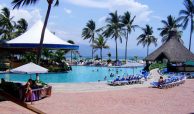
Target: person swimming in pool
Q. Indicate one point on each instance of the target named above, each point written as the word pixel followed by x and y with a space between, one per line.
pixel 105 78
pixel 117 71
pixel 111 75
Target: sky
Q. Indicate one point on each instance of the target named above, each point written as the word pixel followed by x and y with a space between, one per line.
pixel 70 17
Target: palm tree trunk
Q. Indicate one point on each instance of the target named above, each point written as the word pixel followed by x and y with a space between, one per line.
pixel 126 48
pixel 92 51
pixel 101 54
pixel 71 56
pixel 42 34
pixel 116 50
pixel 92 46
pixel 147 50
pixel 191 32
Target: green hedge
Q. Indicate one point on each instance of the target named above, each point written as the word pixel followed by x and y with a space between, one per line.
pixel 3 67
pixel 157 65
pixel 58 69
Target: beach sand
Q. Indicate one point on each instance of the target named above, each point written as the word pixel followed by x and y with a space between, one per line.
pixel 100 98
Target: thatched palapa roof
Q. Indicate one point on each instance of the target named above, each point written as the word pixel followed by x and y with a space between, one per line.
pixel 172 50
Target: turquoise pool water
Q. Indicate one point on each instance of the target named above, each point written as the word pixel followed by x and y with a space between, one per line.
pixel 77 75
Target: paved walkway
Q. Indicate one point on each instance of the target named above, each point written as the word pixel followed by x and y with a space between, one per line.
pixel 8 107
pixel 176 100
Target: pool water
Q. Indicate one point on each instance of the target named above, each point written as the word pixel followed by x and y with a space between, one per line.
pixel 77 75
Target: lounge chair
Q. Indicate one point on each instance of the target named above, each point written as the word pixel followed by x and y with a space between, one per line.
pixel 170 82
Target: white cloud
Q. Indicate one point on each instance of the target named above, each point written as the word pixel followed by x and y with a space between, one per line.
pixel 2 6
pixel 141 11
pixel 157 17
pixel 65 35
pixel 30 16
pixel 68 11
pixel 90 3
pixel 102 19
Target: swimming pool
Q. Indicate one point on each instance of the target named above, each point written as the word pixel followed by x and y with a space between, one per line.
pixel 77 75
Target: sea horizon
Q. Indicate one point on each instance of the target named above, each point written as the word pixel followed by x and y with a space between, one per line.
pixel 112 57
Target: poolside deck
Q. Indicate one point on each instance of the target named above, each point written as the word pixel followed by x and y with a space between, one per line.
pixel 8 107
pixel 179 100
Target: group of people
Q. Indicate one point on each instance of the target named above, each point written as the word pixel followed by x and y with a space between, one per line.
pixel 28 87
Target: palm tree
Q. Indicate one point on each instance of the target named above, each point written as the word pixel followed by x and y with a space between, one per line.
pixel 29 57
pixel 71 42
pixel 100 43
pixel 6 24
pixel 186 15
pixel 127 22
pixel 170 25
pixel 136 58
pixel 21 26
pixel 89 33
pixel 109 58
pixel 146 38
pixel 46 53
pixel 113 29
pixel 59 56
pixel 18 3
pixel 109 55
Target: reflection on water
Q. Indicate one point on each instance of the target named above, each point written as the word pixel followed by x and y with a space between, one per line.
pixel 7 77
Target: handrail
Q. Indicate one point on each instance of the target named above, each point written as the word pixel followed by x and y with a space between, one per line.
pixel 40 88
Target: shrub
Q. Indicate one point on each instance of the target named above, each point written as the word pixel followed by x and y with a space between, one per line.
pixel 157 65
pixel 109 61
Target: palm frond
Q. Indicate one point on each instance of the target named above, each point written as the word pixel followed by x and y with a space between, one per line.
pixel 185 23
pixel 56 3
pixel 183 12
pixel 18 3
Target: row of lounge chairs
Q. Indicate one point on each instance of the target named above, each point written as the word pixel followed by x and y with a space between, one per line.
pixel 170 82
pixel 125 81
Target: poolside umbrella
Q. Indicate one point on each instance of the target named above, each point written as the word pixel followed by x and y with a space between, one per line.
pixel 132 65
pixel 30 68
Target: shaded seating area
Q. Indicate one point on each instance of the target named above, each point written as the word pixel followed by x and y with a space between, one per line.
pixel 38 93
pixel 33 90
pixel 18 91
pixel 177 57
pixel 17 50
